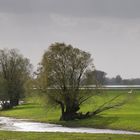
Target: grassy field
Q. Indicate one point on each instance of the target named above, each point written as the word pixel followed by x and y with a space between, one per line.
pixel 126 117
pixel 63 136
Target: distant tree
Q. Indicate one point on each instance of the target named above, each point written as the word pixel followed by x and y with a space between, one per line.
pixel 89 78
pixel 14 71
pixel 114 81
pixel 94 77
pixel 63 68
pixel 127 82
pixel 131 81
pixel 118 79
pixel 100 76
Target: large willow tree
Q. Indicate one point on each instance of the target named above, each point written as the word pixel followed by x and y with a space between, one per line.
pixel 61 75
pixel 63 68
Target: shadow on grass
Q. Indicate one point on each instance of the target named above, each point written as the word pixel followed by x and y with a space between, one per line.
pixel 102 121
pixel 94 122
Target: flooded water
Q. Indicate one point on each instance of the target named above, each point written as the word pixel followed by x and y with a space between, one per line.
pixel 11 124
pixel 117 87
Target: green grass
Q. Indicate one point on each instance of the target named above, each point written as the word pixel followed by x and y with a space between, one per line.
pixel 126 117
pixel 63 136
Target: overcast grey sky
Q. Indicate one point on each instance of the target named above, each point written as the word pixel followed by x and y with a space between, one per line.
pixel 108 29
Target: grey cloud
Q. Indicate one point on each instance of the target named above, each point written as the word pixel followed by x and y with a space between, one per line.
pixel 82 8
pixel 108 29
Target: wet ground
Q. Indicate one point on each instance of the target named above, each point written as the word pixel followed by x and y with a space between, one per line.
pixel 11 124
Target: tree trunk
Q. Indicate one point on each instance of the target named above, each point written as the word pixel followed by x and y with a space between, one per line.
pixel 70 113
pixel 62 110
pixel 66 116
pixel 14 102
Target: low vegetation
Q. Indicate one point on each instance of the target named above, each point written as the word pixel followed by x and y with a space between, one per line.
pixel 63 136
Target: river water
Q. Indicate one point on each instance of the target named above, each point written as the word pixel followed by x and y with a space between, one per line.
pixel 11 124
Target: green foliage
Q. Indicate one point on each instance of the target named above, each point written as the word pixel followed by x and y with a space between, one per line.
pixel 3 89
pixel 14 71
pixel 60 73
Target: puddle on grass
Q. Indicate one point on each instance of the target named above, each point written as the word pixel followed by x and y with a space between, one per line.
pixel 11 124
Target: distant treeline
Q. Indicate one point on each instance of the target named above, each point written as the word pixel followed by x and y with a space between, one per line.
pixel 119 81
pixel 101 78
